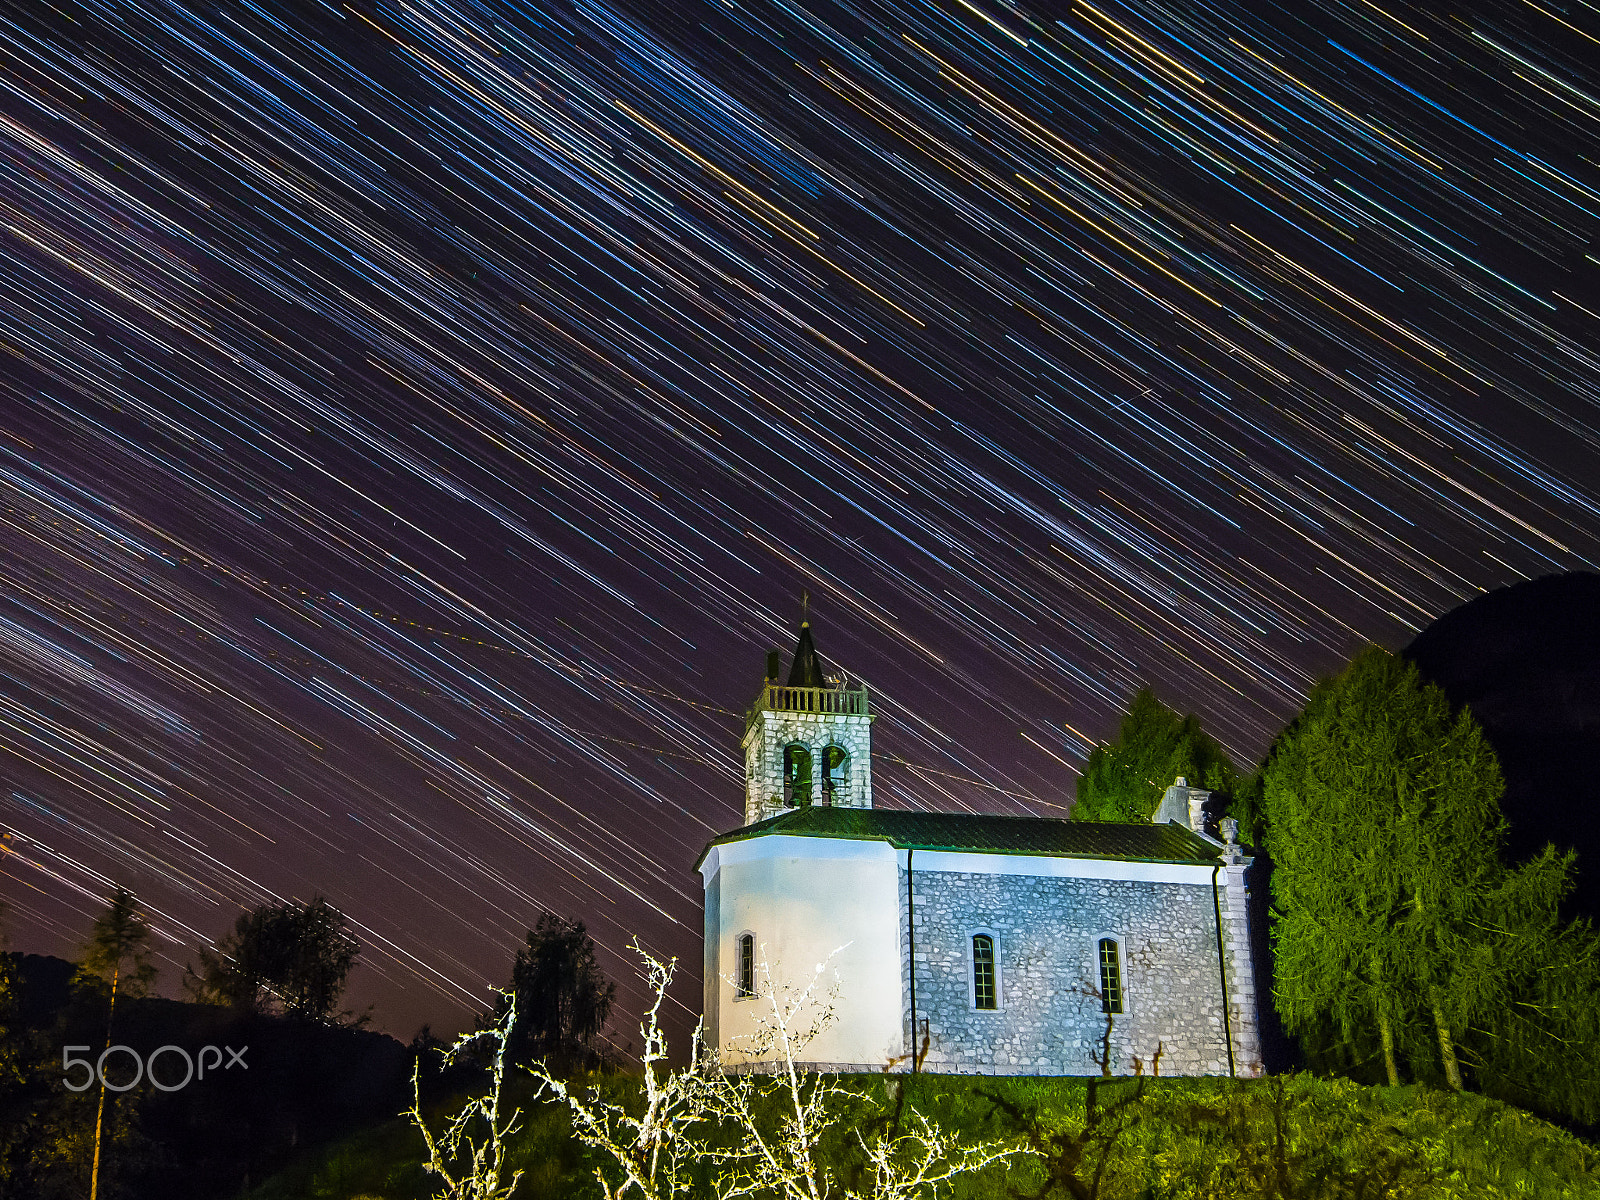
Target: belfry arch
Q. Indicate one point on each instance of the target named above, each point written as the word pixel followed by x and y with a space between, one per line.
pixel 834 774
pixel 797 775
pixel 808 740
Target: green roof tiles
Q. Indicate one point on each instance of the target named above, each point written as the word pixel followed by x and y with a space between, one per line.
pixel 986 834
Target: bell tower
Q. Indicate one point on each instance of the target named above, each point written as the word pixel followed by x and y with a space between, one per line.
pixel 807 741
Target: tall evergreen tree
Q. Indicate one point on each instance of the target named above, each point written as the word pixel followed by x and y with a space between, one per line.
pixel 1382 822
pixel 1324 944
pixel 1393 911
pixel 1534 1036
pixel 1124 780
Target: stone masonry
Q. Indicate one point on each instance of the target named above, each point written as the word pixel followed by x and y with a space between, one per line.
pixel 773 729
pixel 1046 930
pixel 1244 1015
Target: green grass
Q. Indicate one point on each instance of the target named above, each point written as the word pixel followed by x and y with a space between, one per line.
pixel 1298 1136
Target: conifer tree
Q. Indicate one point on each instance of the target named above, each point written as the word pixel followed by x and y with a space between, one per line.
pixel 1124 780
pixel 1393 911
pixel 14 1125
pixel 1535 1036
pixel 1451 831
pixel 117 953
pixel 1384 830
pixel 1327 946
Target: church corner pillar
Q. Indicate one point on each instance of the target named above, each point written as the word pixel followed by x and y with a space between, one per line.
pixel 908 983
pixel 1243 999
pixel 763 788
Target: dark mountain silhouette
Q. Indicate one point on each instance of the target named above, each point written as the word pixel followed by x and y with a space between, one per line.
pixel 1526 659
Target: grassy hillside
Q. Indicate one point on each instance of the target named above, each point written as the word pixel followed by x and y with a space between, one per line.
pixel 1296 1136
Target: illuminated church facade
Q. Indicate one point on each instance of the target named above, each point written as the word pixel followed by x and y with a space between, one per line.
pixel 1003 945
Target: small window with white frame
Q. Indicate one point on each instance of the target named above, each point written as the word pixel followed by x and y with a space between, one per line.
pixel 744 967
pixel 983 949
pixel 1109 973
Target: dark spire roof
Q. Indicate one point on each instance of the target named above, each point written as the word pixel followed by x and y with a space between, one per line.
pixel 807 668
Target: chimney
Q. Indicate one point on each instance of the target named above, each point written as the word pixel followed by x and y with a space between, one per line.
pixel 1184 805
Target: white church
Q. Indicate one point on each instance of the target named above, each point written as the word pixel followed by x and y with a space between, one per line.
pixel 1002 944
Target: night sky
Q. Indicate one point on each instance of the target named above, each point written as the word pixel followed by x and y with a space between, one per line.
pixel 419 419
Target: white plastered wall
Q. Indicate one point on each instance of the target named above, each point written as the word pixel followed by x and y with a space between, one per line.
pixel 803 898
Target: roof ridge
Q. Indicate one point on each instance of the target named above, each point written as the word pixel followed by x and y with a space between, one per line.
pixel 1003 817
pixel 987 833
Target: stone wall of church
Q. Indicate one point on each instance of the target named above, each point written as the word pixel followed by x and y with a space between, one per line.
pixel 1046 931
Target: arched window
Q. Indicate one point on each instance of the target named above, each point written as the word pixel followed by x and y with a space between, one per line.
pixel 984 992
pixel 835 774
pixel 1110 977
pixel 796 775
pixel 744 973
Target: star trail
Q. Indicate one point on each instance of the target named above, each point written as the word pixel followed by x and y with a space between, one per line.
pixel 418 419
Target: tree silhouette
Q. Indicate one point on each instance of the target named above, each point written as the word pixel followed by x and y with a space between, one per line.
pixel 10 1058
pixel 562 998
pixel 290 958
pixel 118 951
